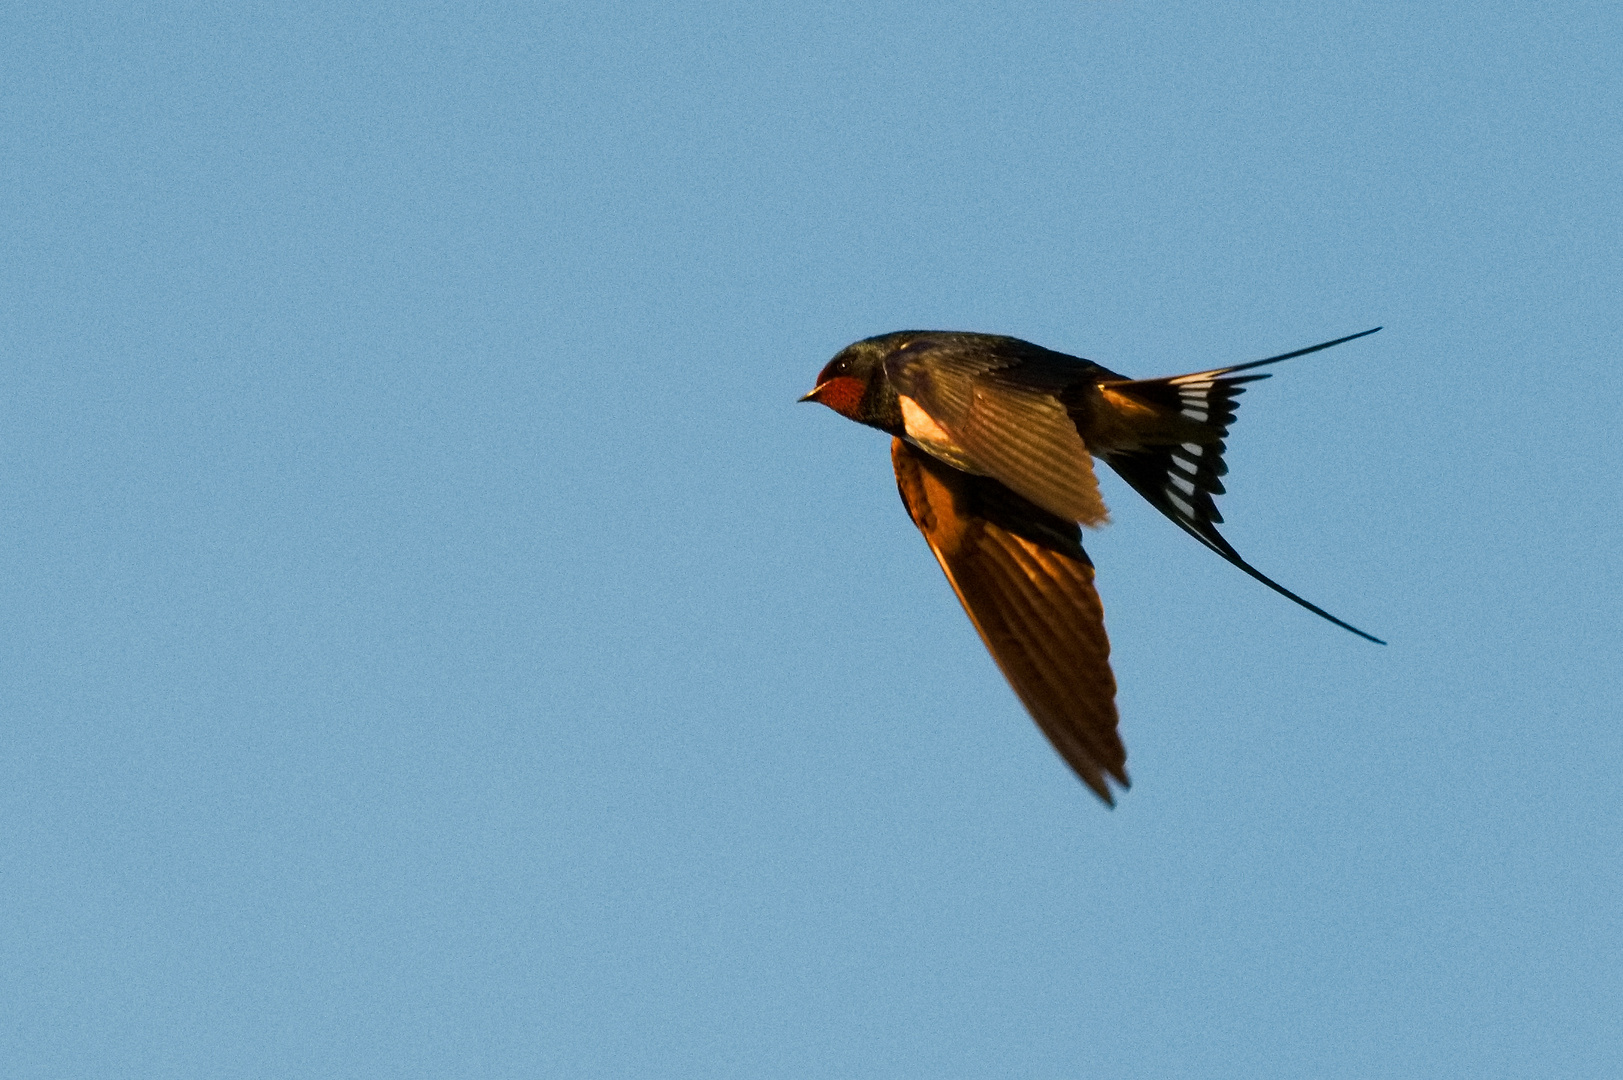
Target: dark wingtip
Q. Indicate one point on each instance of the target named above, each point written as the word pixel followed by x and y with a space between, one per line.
pixel 1101 788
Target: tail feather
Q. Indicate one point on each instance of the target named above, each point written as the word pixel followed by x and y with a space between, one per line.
pixel 1180 480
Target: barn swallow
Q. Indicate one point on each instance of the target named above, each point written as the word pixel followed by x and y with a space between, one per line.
pixel 991 441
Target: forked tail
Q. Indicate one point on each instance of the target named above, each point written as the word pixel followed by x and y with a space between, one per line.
pixel 1180 480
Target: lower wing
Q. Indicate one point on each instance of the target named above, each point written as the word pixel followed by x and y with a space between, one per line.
pixel 1027 585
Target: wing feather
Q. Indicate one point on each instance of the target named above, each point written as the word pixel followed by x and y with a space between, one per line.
pixel 985 407
pixel 1027 586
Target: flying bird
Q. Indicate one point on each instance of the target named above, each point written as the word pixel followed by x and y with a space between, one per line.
pixel 992 444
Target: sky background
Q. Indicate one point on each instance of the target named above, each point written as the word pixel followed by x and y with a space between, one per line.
pixel 434 643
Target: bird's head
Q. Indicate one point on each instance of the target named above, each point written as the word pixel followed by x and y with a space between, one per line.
pixel 854 383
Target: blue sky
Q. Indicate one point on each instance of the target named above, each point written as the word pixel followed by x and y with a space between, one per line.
pixel 435 643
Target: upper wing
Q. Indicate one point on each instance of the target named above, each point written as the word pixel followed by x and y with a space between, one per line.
pixel 991 406
pixel 1027 585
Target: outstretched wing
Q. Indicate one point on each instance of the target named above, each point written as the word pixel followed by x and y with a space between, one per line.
pixel 1027 585
pixel 991 406
pixel 1180 480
